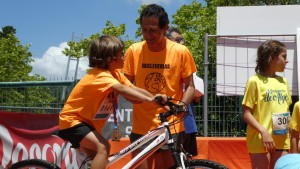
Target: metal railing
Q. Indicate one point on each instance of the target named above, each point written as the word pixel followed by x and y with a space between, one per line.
pixel 34 97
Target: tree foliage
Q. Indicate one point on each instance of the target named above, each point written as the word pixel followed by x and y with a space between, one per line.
pixel 193 21
pixel 6 31
pixel 80 49
pixel 15 59
pixel 15 66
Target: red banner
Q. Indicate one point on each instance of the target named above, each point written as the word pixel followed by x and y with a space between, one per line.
pixel 30 136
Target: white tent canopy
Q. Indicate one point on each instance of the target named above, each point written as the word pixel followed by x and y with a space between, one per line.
pixel 240 30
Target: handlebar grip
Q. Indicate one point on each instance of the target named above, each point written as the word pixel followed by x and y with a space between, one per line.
pixel 158 99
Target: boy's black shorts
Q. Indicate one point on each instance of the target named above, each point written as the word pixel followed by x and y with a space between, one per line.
pixel 76 133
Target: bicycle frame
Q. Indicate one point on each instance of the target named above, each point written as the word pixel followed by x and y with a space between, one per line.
pixel 156 138
pixel 162 133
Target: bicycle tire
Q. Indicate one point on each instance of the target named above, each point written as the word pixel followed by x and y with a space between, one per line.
pixel 33 163
pixel 205 164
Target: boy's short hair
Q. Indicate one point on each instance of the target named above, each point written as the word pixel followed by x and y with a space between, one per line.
pixel 103 49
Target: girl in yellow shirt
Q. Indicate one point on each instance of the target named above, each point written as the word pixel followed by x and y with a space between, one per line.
pixel 266 107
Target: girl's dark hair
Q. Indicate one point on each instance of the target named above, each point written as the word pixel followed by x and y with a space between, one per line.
pixel 103 49
pixel 265 52
pixel 157 11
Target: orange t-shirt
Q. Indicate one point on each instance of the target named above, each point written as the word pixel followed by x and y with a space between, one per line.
pixel 92 99
pixel 157 72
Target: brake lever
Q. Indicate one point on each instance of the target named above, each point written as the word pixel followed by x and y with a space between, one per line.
pixel 181 108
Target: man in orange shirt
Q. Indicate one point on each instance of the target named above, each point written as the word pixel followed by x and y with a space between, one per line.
pixel 158 65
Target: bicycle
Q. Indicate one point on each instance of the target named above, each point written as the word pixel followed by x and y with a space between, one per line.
pixel 157 138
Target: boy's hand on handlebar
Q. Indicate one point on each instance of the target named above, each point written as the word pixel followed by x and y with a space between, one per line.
pixel 161 99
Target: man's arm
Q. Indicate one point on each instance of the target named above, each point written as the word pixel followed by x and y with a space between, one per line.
pixel 199 88
pixel 188 95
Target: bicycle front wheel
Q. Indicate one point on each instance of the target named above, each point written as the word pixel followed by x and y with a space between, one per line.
pixel 204 164
pixel 33 163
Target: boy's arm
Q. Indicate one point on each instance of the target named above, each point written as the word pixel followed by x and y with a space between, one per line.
pixel 133 93
pixel 129 77
pixel 145 92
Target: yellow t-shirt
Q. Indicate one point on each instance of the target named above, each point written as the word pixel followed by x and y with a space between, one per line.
pixel 266 96
pixel 295 120
pixel 92 99
pixel 157 72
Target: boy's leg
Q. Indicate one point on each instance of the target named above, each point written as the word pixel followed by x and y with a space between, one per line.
pixel 85 137
pixel 96 145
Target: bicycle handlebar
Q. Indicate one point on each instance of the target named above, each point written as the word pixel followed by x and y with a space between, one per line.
pixel 174 108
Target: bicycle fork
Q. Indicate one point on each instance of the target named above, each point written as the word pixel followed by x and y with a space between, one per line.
pixel 179 158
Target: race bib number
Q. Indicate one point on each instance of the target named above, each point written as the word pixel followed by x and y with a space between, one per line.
pixel 280 123
pixel 106 108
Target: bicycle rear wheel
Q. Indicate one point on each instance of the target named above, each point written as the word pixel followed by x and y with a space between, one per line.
pixel 204 164
pixel 33 163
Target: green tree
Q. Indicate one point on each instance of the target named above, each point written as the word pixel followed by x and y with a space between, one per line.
pixel 6 30
pixel 194 21
pixel 119 31
pixel 80 49
pixel 15 66
pixel 15 59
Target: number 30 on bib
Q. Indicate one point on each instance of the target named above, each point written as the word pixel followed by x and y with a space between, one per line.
pixel 280 123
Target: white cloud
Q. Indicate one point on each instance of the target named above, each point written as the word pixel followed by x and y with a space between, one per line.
pixel 53 64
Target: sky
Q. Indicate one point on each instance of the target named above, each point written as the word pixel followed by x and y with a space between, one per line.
pixel 48 25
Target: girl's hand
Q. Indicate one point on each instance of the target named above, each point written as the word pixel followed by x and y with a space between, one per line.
pixel 268 141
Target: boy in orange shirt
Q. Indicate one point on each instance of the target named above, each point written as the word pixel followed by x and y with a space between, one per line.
pixel 92 100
